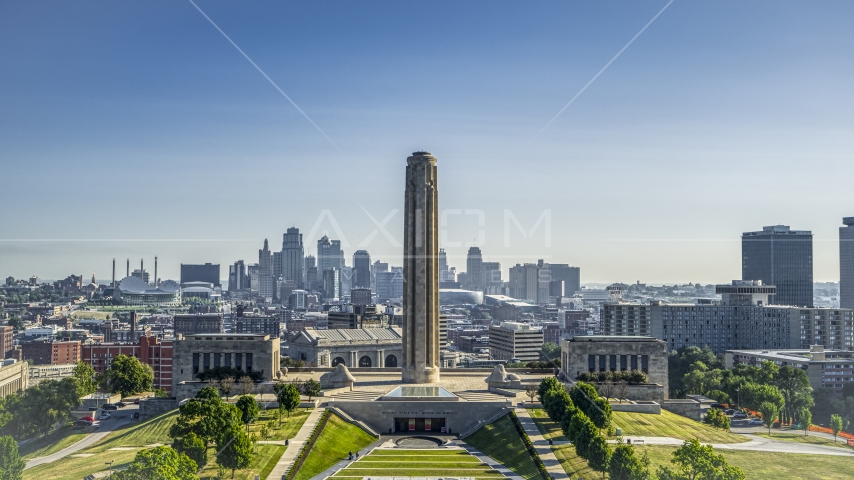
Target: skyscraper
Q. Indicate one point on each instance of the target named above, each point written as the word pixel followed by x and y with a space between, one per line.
pixel 361 269
pixel 237 276
pixel 443 266
pixel 781 257
pixel 421 271
pixel 208 272
pixel 292 256
pixel 310 262
pixel 846 263
pixel 329 254
pixel 571 277
pixel 474 259
pixel 265 272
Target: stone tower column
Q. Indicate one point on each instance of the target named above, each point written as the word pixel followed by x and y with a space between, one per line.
pixel 421 271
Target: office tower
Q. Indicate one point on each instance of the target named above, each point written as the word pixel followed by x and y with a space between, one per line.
pixel 293 260
pixel 443 266
pixel 571 277
pixel 237 276
pixel 329 254
pixel 254 274
pixel 311 279
pixel 277 266
pixel 331 284
pixel 360 296
pixel 780 257
pixel 265 272
pixel 531 282
pixel 310 262
pixel 345 282
pixel 361 269
pixel 846 263
pixel 390 285
pixel 490 277
pixel 377 267
pixel 421 271
pixel 474 259
pixel 208 273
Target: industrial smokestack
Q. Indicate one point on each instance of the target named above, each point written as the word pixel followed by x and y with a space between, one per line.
pixel 128 274
pixel 114 273
pixel 155 272
pixel 141 271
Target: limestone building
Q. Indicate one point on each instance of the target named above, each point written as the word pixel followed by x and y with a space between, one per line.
pixel 193 354
pixel 14 377
pixel 513 340
pixel 420 350
pixel 360 347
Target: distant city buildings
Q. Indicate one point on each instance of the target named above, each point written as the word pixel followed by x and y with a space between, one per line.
pixel 292 257
pixel 515 341
pixel 781 257
pixel 825 368
pixel 189 324
pixel 208 273
pixel 361 269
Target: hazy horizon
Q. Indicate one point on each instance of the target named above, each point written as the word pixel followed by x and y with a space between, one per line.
pixel 138 130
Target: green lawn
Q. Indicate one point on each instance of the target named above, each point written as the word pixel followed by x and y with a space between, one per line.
pixel 796 437
pixel 548 428
pixel 770 465
pixel 500 441
pixel 55 441
pixel 289 428
pixel 262 463
pixel 574 466
pixel 669 424
pixel 337 439
pixel 75 468
pixel 140 434
pixel 426 462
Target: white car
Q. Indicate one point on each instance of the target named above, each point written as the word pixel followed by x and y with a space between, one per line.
pixel 105 416
pixel 755 421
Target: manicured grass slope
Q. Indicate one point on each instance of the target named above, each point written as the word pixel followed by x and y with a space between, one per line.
pixel 55 441
pixel 669 424
pixel 262 463
pixel 500 441
pixel 548 428
pixel 289 427
pixel 419 463
pixel 337 439
pixel 795 437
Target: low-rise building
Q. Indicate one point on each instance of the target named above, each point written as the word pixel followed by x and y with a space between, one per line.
pixel 359 347
pixel 513 340
pixel 195 323
pixel 258 325
pixel 149 350
pixel 51 353
pixel 14 377
pixel 193 354
pixel 825 368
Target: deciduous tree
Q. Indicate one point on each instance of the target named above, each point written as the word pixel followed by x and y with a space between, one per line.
pixel 127 375
pixel 837 424
pixel 248 409
pixel 11 463
pixel 626 465
pixel 598 454
pixel 159 463
pixel 699 462
pixel 769 413
pixel 311 388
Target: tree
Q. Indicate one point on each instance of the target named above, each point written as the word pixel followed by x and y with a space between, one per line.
pixel 11 463
pixel 606 389
pixel 248 409
pixel 583 394
pixel 547 384
pixel 556 402
pixel 794 385
pixel 159 463
pixel 206 415
pixel 288 398
pixel 625 465
pixel 769 413
pixel 598 454
pixel 127 375
pixel 235 450
pixel 679 363
pixel 531 391
pixel 699 462
pixel 226 387
pixel 806 420
pixel 311 388
pixel 550 350
pixel 584 435
pixel 194 447
pixel 84 374
pixel 754 394
pixel 48 403
pixel 837 423
pixel 245 385
pixel 700 379
pixel 716 418
pixel 621 390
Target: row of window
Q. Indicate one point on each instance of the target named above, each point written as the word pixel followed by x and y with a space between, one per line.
pixel 206 361
pixel 606 361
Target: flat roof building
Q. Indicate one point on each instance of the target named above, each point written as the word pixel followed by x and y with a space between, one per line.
pixel 825 368
pixel 193 354
pixel 513 340
pixel 190 324
pixel 782 257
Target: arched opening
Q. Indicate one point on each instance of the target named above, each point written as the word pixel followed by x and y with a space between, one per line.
pixel 391 361
pixel 337 361
pixel 365 361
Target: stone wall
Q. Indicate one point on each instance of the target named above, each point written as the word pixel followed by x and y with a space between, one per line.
pixel 637 407
pixel 265 354
pixel 14 378
pixel 152 407
pixel 380 415
pixel 576 352
pixel 685 407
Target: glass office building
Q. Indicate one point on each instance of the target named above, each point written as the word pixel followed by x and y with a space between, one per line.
pixel 780 257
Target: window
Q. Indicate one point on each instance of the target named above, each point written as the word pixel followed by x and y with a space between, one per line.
pixel 591 363
pixel 227 359
pixel 634 362
pixel 248 362
pixel 216 359
pixel 238 361
pixel 207 360
pixel 602 360
pixel 624 362
pixel 645 363
pixel 613 363
pixel 195 363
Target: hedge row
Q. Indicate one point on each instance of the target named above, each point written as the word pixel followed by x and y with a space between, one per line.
pixel 530 447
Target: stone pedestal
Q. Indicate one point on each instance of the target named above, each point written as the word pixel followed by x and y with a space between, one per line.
pixel 421 359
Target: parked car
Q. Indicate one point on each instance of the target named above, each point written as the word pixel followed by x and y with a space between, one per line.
pixel 739 415
pixel 717 405
pixel 105 416
pixel 109 406
pixel 83 423
pixel 754 421
pixel 136 402
pixel 729 411
pixel 122 404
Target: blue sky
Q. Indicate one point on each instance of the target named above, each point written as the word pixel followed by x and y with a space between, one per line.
pixel 136 129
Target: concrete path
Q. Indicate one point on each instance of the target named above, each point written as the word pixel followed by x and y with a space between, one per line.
pixel 548 457
pixel 295 444
pixel 107 427
pixel 345 463
pixel 756 444
pixel 489 461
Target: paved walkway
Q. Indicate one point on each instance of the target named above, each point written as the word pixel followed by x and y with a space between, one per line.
pixel 548 457
pixel 756 444
pixel 295 444
pixel 344 463
pixel 107 427
pixel 489 461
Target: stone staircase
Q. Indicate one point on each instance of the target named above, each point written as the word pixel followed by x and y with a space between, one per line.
pixel 349 419
pixel 480 423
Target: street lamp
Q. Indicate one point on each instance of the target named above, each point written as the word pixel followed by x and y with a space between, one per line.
pixel 110 463
pixel 738 396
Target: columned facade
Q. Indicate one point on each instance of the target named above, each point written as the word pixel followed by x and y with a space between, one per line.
pixel 421 271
